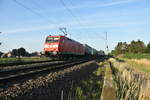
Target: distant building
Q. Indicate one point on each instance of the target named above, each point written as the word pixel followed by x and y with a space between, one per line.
pixel 5 55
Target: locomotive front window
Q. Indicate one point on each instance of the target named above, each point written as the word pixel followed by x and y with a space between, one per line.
pixel 52 39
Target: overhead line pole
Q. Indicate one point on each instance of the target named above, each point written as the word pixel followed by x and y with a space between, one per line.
pixel 106 42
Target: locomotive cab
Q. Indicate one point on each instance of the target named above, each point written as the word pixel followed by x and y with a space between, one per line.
pixel 51 46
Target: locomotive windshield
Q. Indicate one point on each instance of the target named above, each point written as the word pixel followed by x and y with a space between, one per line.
pixel 52 39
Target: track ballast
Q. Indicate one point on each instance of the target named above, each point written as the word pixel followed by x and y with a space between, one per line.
pixel 11 76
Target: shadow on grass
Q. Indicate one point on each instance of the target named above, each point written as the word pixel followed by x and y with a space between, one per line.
pixel 90 88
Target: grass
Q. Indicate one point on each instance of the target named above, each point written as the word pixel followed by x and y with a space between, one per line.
pixel 139 62
pixel 90 88
pixel 137 56
pixel 142 64
pixel 26 59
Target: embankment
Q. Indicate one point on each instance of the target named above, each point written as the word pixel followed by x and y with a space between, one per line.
pixel 131 84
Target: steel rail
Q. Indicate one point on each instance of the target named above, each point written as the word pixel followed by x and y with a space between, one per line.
pixel 16 69
pixel 24 63
pixel 23 74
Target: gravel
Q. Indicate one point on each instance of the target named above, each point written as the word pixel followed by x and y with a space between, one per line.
pixel 51 86
pixel 27 65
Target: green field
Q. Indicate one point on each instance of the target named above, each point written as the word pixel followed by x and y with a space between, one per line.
pixel 26 59
pixel 141 64
pixel 137 56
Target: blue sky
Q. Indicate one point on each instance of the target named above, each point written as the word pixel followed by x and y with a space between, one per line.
pixel 123 20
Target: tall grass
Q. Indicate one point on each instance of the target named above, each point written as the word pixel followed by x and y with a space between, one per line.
pixel 141 65
pixel 90 88
pixel 26 59
pixel 137 56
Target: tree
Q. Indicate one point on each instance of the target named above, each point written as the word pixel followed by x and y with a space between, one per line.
pixel 21 52
pixel 121 48
pixel 147 50
pixel 133 47
pixel 136 47
pixel 1 53
pixel 15 52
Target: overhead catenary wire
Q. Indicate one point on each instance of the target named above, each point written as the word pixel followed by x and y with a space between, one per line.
pixel 36 13
pixel 103 38
pixel 70 11
pixel 72 5
pixel 72 15
pixel 70 1
pixel 39 7
pixel 75 17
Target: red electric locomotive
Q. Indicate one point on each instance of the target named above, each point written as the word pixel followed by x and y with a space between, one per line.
pixel 61 46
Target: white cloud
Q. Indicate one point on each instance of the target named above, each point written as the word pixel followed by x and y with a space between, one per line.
pixel 73 25
pixel 118 3
pixel 17 30
pixel 99 4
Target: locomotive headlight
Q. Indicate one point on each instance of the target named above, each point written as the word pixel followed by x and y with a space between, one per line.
pixel 54 53
pixel 46 46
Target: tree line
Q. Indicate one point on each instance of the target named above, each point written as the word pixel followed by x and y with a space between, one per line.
pixel 20 52
pixel 133 47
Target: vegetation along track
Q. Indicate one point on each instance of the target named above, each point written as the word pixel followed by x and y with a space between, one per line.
pixel 8 77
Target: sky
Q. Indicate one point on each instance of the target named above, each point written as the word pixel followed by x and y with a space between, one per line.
pixel 26 23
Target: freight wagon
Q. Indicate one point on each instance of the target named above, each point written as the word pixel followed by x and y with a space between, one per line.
pixel 61 46
pixel 89 51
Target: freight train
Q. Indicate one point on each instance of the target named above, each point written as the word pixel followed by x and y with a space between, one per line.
pixel 62 46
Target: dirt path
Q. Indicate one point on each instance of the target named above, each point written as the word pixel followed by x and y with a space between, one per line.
pixel 108 92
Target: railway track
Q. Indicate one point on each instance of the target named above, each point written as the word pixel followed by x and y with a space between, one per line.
pixel 11 76
pixel 24 63
pixel 6 71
